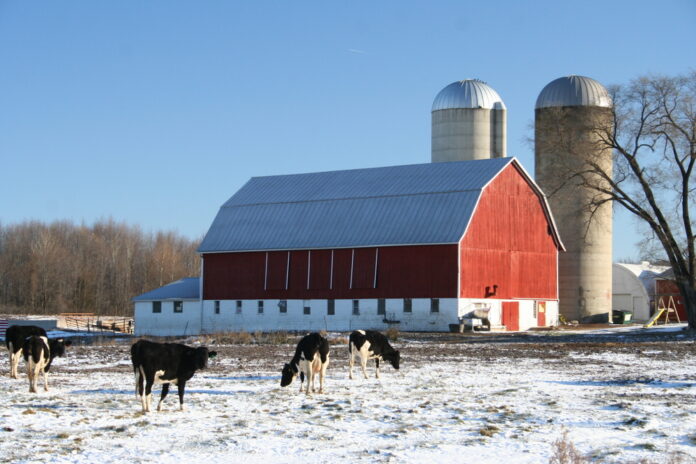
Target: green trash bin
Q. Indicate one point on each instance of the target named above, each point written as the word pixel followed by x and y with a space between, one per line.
pixel 621 317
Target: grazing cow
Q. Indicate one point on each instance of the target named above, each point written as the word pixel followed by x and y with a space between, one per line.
pixel 369 344
pixel 311 357
pixel 165 363
pixel 39 352
pixel 14 340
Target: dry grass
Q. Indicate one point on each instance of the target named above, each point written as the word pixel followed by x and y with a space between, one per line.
pixel 564 452
pixel 392 334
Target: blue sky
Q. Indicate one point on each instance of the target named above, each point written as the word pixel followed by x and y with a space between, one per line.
pixel 154 113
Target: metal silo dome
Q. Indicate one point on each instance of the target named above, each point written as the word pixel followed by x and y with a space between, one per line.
pixel 469 93
pixel 574 91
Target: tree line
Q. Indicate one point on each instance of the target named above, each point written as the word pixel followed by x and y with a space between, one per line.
pixel 63 267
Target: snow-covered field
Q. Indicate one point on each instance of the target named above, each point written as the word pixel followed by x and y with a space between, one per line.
pixel 481 402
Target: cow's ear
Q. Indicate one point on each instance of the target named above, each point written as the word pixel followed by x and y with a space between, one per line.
pixel 212 354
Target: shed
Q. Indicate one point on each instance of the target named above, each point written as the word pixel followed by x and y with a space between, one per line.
pixel 174 309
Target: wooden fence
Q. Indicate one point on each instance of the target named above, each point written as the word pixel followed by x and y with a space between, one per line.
pixel 89 322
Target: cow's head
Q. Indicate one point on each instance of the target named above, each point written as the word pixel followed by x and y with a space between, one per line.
pixel 201 356
pixel 394 357
pixel 288 374
pixel 57 346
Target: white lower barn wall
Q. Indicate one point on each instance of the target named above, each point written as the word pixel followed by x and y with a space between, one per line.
pixel 167 323
pixel 343 320
pixel 248 318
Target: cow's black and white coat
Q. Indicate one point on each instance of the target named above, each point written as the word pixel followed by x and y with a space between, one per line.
pixel 165 363
pixel 311 358
pixel 368 344
pixel 15 336
pixel 39 352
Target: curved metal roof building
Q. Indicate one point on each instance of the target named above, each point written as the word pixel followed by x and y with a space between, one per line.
pixel 574 91
pixel 469 93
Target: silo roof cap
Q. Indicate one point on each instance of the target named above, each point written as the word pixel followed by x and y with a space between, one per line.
pixel 469 93
pixel 574 91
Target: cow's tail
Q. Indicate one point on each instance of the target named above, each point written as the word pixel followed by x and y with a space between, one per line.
pixel 139 378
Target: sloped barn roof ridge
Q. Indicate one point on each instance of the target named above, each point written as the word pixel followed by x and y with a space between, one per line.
pixel 367 183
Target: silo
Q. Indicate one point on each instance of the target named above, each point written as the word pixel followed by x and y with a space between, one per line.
pixel 468 122
pixel 571 115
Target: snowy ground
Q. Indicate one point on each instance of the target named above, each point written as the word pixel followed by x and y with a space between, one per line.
pixel 456 399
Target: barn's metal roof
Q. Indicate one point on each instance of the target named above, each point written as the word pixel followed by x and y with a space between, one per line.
pixel 574 91
pixel 187 288
pixel 400 205
pixel 469 93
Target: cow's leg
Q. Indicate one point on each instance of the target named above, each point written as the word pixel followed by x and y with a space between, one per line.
pixel 180 387
pixel 351 361
pixel 30 375
pixel 33 372
pixel 149 382
pixel 14 361
pixel 322 373
pixel 138 383
pixel 165 390
pixel 310 378
pixel 363 365
pixel 302 376
pixel 377 365
pixel 45 379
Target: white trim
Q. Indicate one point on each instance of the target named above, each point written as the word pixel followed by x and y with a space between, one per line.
pixel 376 245
pixel 352 259
pixel 265 275
pixel 309 266
pixel 287 272
pixel 331 272
pixel 374 283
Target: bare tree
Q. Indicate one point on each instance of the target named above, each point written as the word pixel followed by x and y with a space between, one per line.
pixel 652 136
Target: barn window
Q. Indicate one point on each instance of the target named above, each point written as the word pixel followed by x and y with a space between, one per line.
pixel 330 307
pixel 356 307
pixel 283 306
pixel 239 307
pixel 217 306
pixel 381 307
pixel 156 306
pixel 307 309
pixel 260 306
pixel 178 306
pixel 408 305
pixel 434 305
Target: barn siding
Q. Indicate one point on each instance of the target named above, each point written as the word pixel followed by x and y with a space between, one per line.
pixel 428 271
pixel 508 244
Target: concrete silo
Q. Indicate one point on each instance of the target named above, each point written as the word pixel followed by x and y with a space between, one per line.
pixel 468 123
pixel 571 114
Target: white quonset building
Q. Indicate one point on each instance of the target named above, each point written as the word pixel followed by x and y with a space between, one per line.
pixel 634 288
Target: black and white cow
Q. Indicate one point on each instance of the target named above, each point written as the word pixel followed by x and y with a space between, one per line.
pixel 369 344
pixel 165 363
pixel 311 357
pixel 14 340
pixel 39 352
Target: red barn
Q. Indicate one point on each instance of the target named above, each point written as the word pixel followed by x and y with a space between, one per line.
pixel 419 246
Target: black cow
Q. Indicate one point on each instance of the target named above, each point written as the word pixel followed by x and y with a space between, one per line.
pixel 39 352
pixel 369 344
pixel 14 340
pixel 311 357
pixel 165 363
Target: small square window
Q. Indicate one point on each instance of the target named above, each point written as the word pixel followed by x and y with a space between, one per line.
pixel 283 306
pixel 408 305
pixel 356 307
pixel 434 305
pixel 307 309
pixel 178 306
pixel 239 307
pixel 381 307
pixel 156 306
pixel 331 307
pixel 260 306
pixel 217 306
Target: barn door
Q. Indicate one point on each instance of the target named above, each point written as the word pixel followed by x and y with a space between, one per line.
pixel 541 314
pixel 511 315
